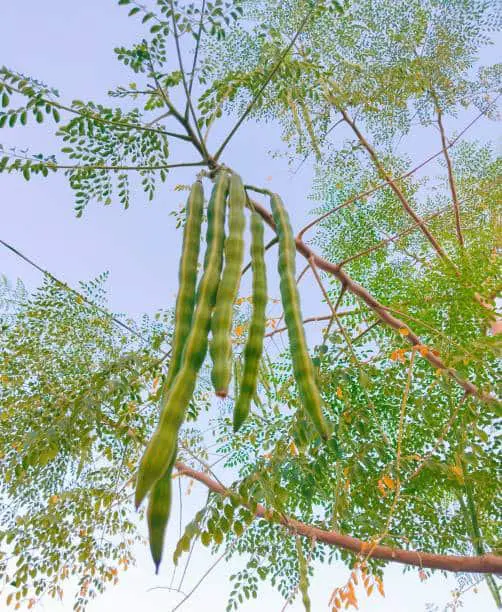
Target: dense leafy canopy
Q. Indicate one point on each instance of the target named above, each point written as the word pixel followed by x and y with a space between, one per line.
pixel 412 462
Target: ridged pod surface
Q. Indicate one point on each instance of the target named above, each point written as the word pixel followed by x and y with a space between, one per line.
pixel 161 447
pixel 254 345
pixel 159 503
pixel 303 368
pixel 187 280
pixel 159 509
pixel 220 346
pixel 303 583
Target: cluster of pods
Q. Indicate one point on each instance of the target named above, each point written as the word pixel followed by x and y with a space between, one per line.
pixel 203 318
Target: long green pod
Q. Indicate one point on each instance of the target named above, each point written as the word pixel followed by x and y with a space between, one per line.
pixel 254 344
pixel 220 346
pixel 303 368
pixel 303 582
pixel 159 451
pixel 187 279
pixel 159 504
pixel 159 509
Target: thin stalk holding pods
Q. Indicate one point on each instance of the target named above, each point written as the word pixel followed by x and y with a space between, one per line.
pixel 98 118
pixel 269 77
pixel 184 80
pixel 407 174
pixel 65 286
pixel 195 57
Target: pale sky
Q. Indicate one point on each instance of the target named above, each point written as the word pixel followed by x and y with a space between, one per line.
pixel 69 45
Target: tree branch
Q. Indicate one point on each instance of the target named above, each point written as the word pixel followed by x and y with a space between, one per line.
pixel 196 54
pixel 383 313
pixel 312 320
pixel 486 563
pixel 451 177
pixel 393 238
pixel 371 191
pixel 98 118
pixel 184 80
pixel 395 188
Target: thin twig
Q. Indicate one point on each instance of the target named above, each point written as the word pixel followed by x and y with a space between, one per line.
pixel 265 83
pixel 196 53
pixel 311 320
pixel 98 118
pixel 372 190
pixel 79 295
pixel 192 137
pixel 441 438
pixel 199 582
pixel 184 80
pixel 394 186
pixel 53 166
pixel 451 177
pixel 269 245
pixel 393 238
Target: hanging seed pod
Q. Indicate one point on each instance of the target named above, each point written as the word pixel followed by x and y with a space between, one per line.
pixel 159 509
pixel 159 452
pixel 254 345
pixel 303 368
pixel 187 279
pixel 220 346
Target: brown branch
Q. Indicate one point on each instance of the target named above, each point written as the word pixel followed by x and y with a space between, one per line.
pixel 451 177
pixel 486 563
pixel 393 185
pixel 383 313
pixel 372 190
pixel 312 320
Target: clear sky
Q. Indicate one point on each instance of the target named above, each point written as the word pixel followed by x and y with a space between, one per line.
pixel 69 45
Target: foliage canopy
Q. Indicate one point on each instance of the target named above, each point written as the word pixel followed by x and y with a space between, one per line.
pixel 412 462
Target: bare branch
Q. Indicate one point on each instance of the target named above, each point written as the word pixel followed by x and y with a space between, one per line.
pixel 395 188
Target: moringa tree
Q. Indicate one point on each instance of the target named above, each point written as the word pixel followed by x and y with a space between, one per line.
pixel 408 275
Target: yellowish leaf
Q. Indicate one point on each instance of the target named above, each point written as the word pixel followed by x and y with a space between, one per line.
pixel 389 482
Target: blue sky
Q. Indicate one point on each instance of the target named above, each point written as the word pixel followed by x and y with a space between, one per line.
pixel 69 45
